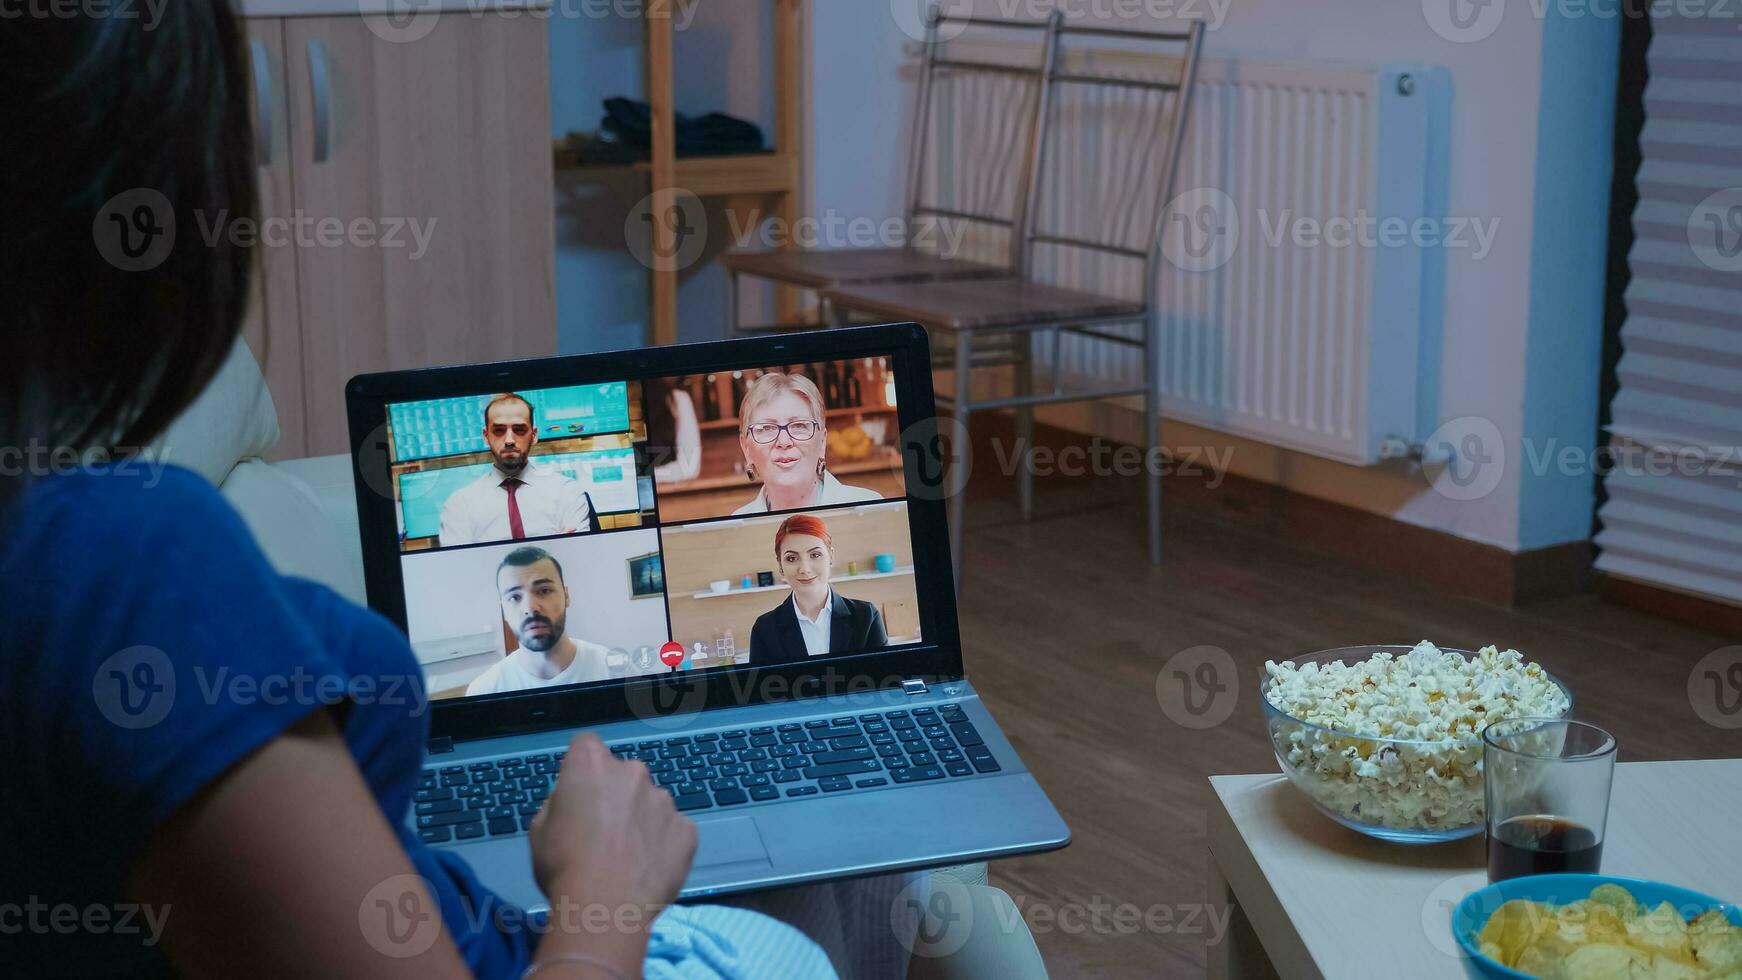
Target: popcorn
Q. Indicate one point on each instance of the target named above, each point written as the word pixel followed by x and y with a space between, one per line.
pixel 1432 703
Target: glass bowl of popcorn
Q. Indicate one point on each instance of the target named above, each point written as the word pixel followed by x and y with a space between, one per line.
pixel 1387 740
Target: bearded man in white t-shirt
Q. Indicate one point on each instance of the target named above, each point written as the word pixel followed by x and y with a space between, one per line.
pixel 535 604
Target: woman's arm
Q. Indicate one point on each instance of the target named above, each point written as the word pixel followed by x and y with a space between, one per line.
pixel 285 866
pixel 686 459
pixel 766 644
pixel 875 636
pixel 607 847
pixel 279 868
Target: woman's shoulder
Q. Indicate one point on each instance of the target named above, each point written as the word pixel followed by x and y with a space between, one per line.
pixel 836 492
pixel 118 507
pixel 772 616
pixel 860 608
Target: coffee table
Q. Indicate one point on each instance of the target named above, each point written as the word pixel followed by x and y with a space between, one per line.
pixel 1311 898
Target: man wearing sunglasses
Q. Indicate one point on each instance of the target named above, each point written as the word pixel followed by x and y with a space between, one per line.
pixel 517 498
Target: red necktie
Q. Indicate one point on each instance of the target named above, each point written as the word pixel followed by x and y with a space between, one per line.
pixel 516 530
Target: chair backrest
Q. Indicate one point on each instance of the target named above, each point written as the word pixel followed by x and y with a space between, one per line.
pixel 975 131
pixel 1108 146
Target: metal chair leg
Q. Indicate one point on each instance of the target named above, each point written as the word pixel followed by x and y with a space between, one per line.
pixel 1152 433
pixel 958 509
pixel 1025 425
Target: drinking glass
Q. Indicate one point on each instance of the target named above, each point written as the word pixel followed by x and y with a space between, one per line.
pixel 1547 782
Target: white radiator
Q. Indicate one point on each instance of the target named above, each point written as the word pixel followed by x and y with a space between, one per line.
pixel 1309 346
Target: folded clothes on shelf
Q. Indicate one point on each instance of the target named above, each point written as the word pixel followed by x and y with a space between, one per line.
pixel 626 134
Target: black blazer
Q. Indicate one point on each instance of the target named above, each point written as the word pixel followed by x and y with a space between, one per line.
pixel 854 625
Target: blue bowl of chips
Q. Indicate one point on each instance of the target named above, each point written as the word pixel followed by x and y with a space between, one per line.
pixel 1567 921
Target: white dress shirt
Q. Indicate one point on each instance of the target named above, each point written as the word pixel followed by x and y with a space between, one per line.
pixel 832 491
pixel 550 503
pixel 816 631
pixel 590 664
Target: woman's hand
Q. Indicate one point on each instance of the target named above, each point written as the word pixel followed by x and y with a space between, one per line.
pixel 608 836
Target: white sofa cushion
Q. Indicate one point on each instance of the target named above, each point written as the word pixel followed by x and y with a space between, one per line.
pixel 289 524
pixel 328 478
pixel 232 420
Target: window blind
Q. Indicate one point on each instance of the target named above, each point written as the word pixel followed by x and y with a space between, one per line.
pixel 1673 517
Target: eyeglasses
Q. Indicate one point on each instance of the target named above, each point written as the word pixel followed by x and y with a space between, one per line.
pixel 799 430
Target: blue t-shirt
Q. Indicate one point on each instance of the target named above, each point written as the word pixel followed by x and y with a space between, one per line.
pixel 146 647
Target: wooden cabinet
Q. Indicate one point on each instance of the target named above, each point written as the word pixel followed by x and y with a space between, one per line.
pixel 413 184
pixel 273 327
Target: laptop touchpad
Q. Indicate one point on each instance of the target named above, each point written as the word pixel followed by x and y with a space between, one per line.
pixel 730 841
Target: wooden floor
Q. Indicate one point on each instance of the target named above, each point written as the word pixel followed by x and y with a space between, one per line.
pixel 1066 627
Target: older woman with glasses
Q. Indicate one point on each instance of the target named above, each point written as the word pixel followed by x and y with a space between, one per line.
pixel 782 433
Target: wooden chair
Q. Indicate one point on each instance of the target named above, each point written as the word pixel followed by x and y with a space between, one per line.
pixel 987 189
pixel 1105 194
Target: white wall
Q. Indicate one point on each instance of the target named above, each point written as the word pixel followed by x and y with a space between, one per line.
pixel 453 593
pixel 863 99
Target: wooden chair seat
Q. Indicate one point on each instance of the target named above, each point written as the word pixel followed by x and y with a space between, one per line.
pixel 831 267
pixel 980 304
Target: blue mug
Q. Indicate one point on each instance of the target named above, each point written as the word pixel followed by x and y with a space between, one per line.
pixel 885 563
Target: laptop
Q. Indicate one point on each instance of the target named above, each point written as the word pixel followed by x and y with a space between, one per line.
pixel 727 560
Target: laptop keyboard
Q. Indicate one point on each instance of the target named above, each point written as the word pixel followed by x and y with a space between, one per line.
pixel 719 770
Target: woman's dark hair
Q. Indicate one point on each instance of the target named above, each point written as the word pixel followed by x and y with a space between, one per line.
pixel 117 130
pixel 661 424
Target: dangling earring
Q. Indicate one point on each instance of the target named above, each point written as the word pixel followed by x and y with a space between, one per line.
pixel 819 470
pixel 750 471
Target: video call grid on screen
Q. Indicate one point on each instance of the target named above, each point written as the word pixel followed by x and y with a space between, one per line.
pixel 682 508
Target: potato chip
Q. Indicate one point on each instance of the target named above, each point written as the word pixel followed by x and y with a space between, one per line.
pixel 1611 935
pixel 1723 955
pixel 1664 968
pixel 1662 930
pixel 1543 957
pixel 1618 898
pixel 1601 961
pixel 1515 925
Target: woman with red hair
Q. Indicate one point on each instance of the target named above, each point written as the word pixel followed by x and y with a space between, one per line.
pixel 816 621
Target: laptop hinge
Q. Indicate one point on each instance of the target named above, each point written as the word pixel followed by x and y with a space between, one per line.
pixel 441 744
pixel 913 685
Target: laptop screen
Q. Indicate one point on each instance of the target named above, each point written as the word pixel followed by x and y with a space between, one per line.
pixel 586 534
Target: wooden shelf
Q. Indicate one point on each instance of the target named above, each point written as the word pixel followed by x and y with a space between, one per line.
pixel 721 176
pixel 862 576
pixel 775 175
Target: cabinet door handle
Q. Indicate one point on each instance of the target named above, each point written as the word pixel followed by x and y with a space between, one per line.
pixel 320 84
pixel 262 102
